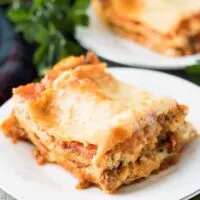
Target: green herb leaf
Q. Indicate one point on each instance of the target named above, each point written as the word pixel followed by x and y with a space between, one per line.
pixel 62 2
pixel 49 25
pixel 194 69
pixel 17 15
pixel 40 54
pixel 80 19
pixel 75 48
pixel 78 14
pixel 42 35
pixel 30 31
pixel 37 3
pixel 42 69
pixel 81 5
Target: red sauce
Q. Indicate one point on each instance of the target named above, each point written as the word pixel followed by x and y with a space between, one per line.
pixel 87 152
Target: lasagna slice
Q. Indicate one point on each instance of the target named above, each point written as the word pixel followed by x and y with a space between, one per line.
pixel 168 27
pixel 102 130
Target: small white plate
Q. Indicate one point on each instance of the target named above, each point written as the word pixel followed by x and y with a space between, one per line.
pixel 24 179
pixel 98 38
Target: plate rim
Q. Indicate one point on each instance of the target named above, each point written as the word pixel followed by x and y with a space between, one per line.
pixel 110 67
pixel 136 64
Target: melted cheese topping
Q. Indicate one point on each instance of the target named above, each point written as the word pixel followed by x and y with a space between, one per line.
pixel 161 15
pixel 90 106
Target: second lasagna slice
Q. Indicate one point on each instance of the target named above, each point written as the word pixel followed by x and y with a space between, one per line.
pixel 171 27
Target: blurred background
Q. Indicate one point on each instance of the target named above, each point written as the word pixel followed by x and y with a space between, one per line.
pixel 35 34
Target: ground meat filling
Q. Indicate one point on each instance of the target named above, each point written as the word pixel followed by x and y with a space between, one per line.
pixel 87 152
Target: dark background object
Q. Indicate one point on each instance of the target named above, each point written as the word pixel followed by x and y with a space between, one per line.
pixel 15 60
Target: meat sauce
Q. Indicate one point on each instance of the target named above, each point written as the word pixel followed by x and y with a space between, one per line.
pixel 87 152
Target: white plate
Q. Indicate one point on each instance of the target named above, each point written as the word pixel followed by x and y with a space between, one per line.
pixel 24 179
pixel 98 38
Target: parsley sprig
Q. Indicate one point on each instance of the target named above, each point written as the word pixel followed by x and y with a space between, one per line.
pixel 50 26
pixel 194 69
